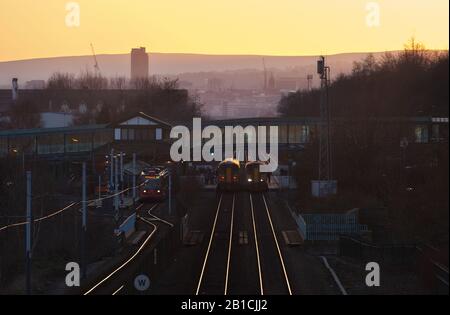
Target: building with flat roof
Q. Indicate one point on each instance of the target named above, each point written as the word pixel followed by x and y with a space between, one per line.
pixel 287 84
pixel 138 133
pixel 35 85
pixel 139 63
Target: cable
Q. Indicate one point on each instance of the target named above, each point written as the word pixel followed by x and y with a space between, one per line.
pixel 65 208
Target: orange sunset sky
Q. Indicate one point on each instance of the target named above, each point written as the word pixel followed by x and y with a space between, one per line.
pixel 34 29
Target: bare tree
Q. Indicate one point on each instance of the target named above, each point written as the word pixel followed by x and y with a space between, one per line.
pixel 415 53
pixel 146 83
pixel 118 83
pixel 92 81
pixel 61 81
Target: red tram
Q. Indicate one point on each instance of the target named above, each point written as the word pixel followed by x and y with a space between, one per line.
pixel 154 184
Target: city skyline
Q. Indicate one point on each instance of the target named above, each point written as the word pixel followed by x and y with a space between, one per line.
pixel 219 27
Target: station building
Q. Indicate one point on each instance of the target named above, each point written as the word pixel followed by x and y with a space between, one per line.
pixel 138 133
pixel 149 136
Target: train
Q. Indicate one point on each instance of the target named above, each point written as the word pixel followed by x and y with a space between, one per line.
pixel 255 179
pixel 154 184
pixel 231 177
pixel 228 175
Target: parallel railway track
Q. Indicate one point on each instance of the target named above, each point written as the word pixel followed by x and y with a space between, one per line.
pixel 229 267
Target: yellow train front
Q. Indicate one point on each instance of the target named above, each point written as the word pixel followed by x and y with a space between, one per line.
pixel 228 175
pixel 255 179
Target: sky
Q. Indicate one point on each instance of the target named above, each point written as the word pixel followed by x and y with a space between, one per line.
pixel 49 28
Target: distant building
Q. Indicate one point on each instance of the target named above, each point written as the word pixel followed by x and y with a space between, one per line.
pixel 214 84
pixel 56 120
pixel 184 84
pixel 9 97
pixel 76 101
pixel 35 85
pixel 139 63
pixel 287 83
pixel 5 101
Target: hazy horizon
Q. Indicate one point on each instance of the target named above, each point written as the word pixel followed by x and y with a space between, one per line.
pixel 172 64
pixel 209 54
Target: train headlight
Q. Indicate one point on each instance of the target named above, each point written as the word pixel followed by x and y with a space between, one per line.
pixel 159 191
pixel 145 191
pixel 250 180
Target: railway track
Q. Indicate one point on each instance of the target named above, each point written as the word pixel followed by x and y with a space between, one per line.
pixel 243 256
pixel 275 278
pixel 215 270
pixel 115 281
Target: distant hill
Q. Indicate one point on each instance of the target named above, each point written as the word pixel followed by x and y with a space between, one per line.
pixel 170 65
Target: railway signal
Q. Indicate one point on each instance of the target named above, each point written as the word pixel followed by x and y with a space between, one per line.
pixel 324 186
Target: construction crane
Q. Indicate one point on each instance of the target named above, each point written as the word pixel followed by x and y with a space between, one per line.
pixel 96 67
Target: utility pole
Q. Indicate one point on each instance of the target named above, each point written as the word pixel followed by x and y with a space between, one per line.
pixel 99 188
pixel 134 177
pixel 83 223
pixel 122 185
pixel 170 192
pixel 116 191
pixel 111 166
pixel 23 161
pixel 28 244
pixel 121 170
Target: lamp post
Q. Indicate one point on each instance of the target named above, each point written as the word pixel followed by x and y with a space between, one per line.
pixel 28 239
pixel 403 145
pixel 83 224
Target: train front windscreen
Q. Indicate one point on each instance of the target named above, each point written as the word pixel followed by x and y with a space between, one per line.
pixel 152 184
pixel 153 188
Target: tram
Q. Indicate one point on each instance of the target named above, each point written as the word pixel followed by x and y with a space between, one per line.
pixel 154 184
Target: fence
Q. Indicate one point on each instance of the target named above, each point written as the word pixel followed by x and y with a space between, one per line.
pixel 328 227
